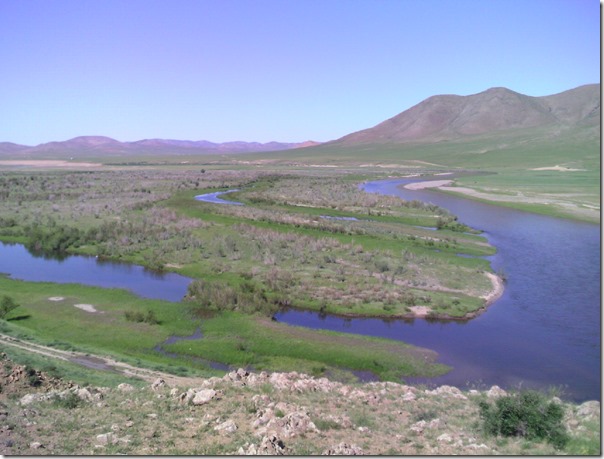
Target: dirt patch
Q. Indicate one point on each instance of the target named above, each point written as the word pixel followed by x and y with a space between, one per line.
pixel 496 292
pixel 420 311
pixel 86 307
pixel 46 163
pixel 430 184
pixel 558 168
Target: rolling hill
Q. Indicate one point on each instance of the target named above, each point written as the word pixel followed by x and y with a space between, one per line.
pixel 451 117
pixel 85 146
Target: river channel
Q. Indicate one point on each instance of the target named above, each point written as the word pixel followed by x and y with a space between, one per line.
pixel 543 332
pixel 545 329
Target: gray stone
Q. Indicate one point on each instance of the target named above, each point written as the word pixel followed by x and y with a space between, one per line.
pixel 344 449
pixel 203 396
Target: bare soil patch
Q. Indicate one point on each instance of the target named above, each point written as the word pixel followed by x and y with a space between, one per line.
pixel 429 184
pixel 46 163
pixel 86 307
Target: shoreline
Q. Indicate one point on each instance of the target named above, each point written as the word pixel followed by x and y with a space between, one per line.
pixel 576 213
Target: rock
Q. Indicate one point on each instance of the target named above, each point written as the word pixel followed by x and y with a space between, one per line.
pixel 28 399
pixel 447 391
pixel 408 396
pixel 174 392
pixel 106 439
pixel 297 423
pixel 291 425
pixel 589 410
pixel 271 445
pixel 125 387
pixel 36 445
pixel 445 438
pixel 343 449
pixel 84 394
pixel 496 392
pixel 203 396
pixel 419 427
pixel 158 384
pixel 226 427
pixel 263 417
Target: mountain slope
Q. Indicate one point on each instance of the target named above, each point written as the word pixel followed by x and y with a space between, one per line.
pixel 448 117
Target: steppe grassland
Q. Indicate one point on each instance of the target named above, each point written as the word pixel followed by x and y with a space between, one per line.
pixel 512 161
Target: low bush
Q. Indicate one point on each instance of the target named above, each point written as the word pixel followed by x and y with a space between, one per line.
pixel 527 414
pixel 7 304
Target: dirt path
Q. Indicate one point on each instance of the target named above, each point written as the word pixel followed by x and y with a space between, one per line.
pixel 99 363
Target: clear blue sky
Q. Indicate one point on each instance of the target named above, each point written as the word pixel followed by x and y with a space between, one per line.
pixel 262 70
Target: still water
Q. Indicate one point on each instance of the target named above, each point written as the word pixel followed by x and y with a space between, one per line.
pixel 19 263
pixel 543 332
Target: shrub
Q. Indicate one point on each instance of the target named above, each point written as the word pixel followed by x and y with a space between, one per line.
pixel 525 414
pixel 69 401
pixel 139 316
pixel 7 304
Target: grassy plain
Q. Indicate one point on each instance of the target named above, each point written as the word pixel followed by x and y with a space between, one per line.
pixel 228 338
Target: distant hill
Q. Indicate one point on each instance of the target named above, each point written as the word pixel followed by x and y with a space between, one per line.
pixel 106 146
pixel 451 117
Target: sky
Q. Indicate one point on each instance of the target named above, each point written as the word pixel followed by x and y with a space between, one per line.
pixel 272 70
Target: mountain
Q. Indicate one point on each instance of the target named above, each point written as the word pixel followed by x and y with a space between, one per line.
pixel 449 117
pixel 98 145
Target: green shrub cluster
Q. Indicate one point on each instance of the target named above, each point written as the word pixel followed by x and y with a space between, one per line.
pixel 139 316
pixel 220 296
pixel 7 304
pixel 527 414
pixel 53 238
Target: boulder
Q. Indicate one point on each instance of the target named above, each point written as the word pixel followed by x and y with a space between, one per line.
pixel 589 410
pixel 270 445
pixel 226 427
pixel 125 387
pixel 447 391
pixel 158 384
pixel 496 392
pixel 344 449
pixel 204 396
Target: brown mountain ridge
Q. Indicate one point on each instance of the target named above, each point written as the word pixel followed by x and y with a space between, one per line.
pixel 447 117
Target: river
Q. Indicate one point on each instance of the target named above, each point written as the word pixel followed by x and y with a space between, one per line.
pixel 545 329
pixel 543 332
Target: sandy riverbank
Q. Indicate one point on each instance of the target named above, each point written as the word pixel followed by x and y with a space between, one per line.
pixel 430 184
pixel 497 291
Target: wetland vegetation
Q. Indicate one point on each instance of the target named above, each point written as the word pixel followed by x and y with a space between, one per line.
pixel 303 239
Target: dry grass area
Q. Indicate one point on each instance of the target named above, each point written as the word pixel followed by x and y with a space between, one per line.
pixel 242 413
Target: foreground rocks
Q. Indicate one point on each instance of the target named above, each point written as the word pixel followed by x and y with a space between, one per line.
pixel 247 413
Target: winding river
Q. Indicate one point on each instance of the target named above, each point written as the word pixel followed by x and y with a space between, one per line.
pixel 543 332
pixel 545 329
